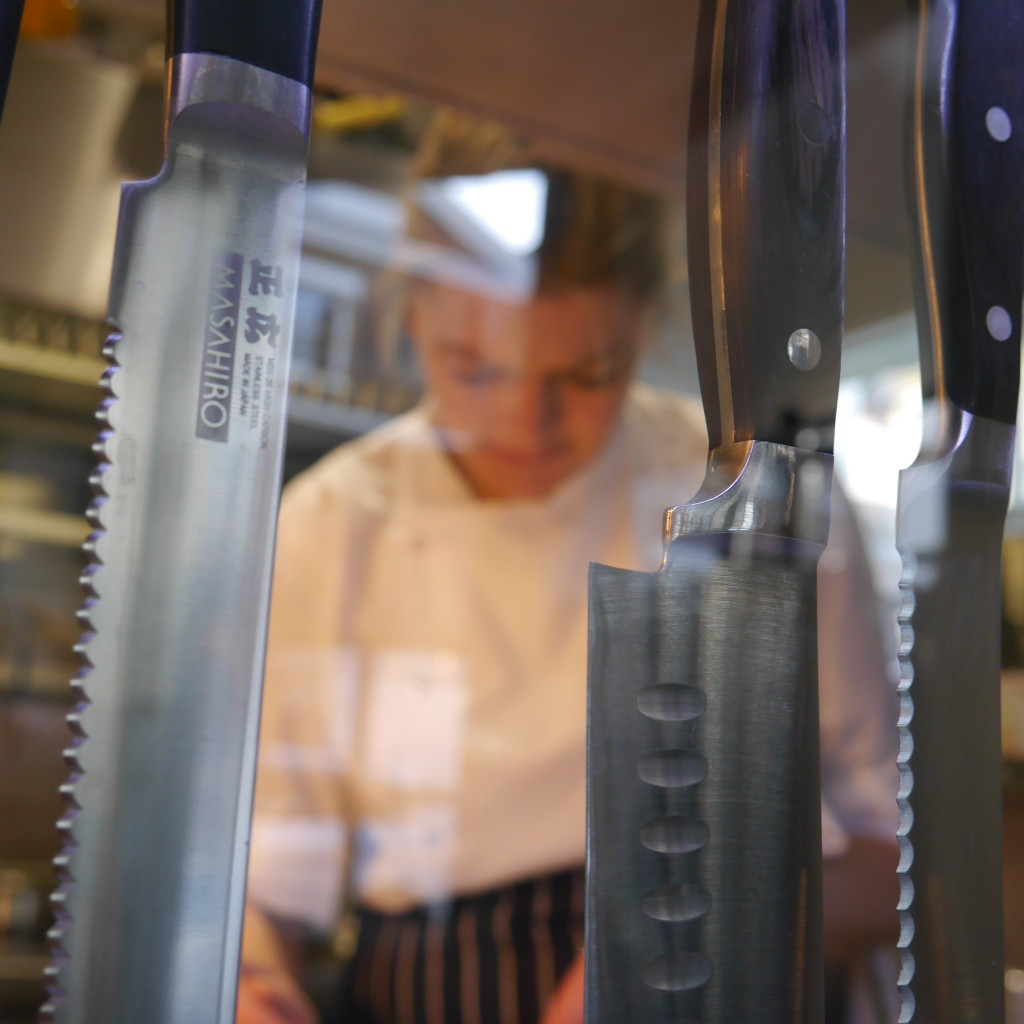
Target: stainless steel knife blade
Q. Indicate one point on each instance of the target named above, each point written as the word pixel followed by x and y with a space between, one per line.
pixel 704 831
pixel 966 162
pixel 150 903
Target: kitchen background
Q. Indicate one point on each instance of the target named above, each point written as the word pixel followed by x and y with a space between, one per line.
pixel 84 113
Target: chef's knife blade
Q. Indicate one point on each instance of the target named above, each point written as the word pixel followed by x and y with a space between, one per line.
pixel 965 169
pixel 704 832
pixel 202 299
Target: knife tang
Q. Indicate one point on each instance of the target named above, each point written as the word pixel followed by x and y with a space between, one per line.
pixel 276 35
pixel 766 218
pixel 965 162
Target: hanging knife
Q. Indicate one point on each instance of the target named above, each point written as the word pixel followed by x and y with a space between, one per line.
pixel 966 168
pixel 149 909
pixel 704 832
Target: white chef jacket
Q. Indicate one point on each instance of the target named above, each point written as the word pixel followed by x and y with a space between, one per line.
pixel 425 708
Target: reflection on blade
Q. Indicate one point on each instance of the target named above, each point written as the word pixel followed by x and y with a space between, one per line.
pixel 966 158
pixel 154 861
pixel 704 826
pixel 949 533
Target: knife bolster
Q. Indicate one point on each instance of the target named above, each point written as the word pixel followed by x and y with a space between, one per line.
pixel 195 78
pixel 758 487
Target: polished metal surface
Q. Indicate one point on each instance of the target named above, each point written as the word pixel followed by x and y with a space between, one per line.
pixel 952 504
pixel 208 78
pixel 758 487
pixel 704 830
pixel 202 300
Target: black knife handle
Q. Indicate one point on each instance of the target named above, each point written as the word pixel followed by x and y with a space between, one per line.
pixel 965 182
pixel 10 23
pixel 278 35
pixel 765 217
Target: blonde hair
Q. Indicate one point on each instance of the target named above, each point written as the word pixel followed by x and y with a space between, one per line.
pixel 596 232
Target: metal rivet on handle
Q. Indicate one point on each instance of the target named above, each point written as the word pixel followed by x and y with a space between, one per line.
pixel 804 349
pixel 999 323
pixel 998 123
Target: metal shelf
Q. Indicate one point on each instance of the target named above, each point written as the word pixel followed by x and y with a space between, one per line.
pixel 42 526
pixel 66 367
pixel 51 361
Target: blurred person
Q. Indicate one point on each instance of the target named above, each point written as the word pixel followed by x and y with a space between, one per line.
pixel 422 765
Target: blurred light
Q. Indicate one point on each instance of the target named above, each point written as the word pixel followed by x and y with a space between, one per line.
pixel 1014 996
pixel 357 113
pixel 49 19
pixel 508 205
pixel 878 433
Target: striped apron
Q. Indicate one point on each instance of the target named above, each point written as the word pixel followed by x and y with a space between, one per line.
pixel 489 958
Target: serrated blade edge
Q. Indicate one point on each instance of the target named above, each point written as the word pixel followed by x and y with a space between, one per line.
pixel 906 786
pixel 58 934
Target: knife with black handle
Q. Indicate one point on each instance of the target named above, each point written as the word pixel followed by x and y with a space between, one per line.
pixel 10 23
pixel 149 908
pixel 965 164
pixel 704 895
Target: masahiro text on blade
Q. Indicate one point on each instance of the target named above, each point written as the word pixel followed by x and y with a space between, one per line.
pixel 149 909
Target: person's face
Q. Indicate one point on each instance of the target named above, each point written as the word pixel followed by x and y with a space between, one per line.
pixel 525 394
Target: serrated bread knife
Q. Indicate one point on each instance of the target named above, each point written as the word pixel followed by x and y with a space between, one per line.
pixel 149 907
pixel 965 180
pixel 704 895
